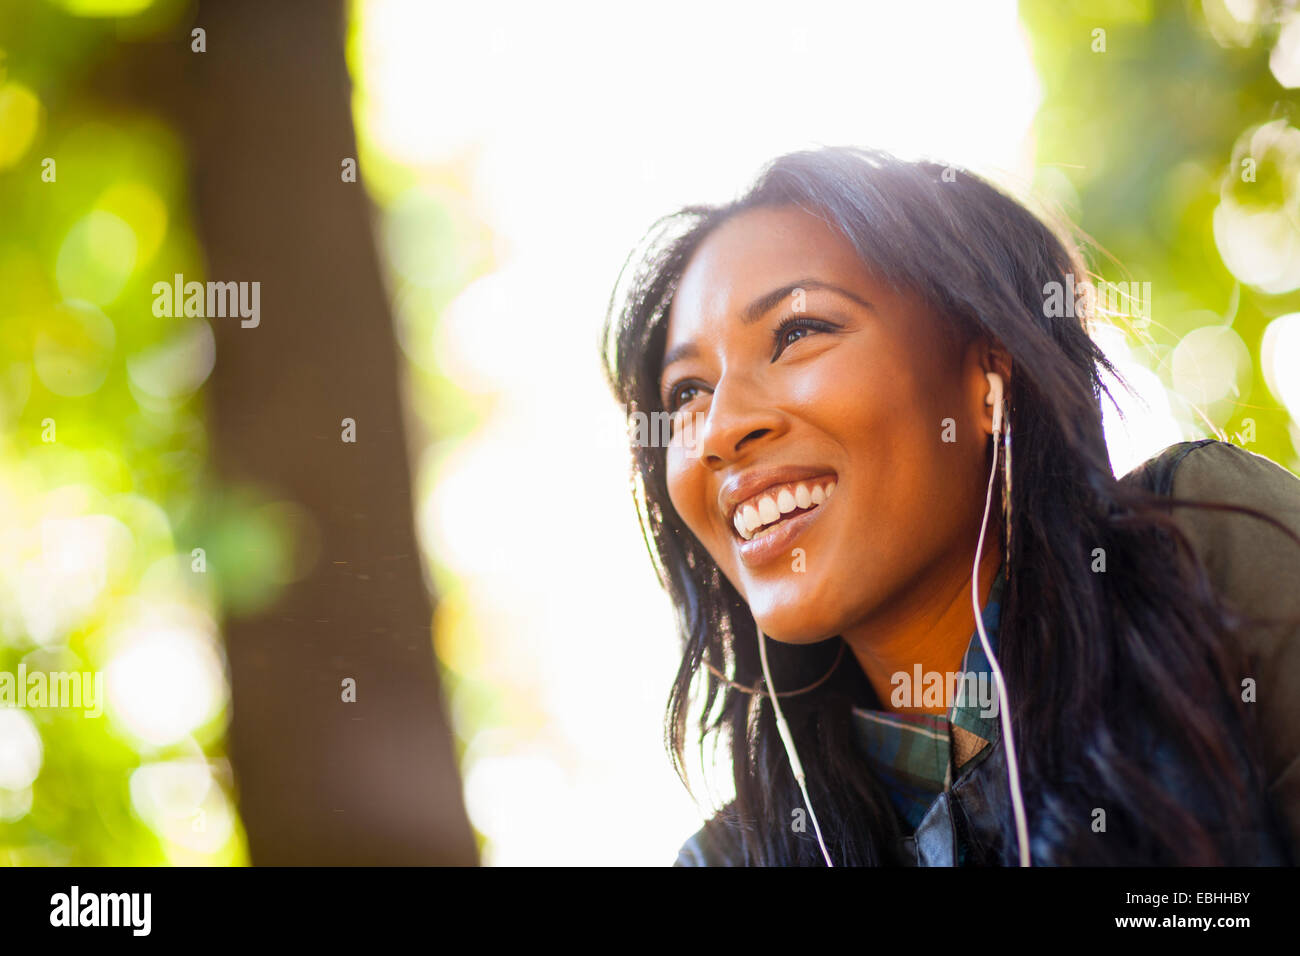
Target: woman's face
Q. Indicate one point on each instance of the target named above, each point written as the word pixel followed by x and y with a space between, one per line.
pixel 817 402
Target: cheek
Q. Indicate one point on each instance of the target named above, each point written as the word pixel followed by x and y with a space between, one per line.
pixel 686 490
pixel 852 397
pixel 887 416
pixel 690 491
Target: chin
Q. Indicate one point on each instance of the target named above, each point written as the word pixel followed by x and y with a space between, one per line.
pixel 798 623
pixel 798 608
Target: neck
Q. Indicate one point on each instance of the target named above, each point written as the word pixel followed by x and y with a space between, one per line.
pixel 930 624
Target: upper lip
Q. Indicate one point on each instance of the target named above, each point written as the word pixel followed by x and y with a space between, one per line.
pixel 745 485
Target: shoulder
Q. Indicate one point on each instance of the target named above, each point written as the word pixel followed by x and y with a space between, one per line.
pixel 1207 466
pixel 717 843
pixel 1256 568
pixel 1219 467
pixel 1232 544
pixel 1253 563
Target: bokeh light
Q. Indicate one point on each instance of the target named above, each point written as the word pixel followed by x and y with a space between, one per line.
pixel 514 161
pixel 165 677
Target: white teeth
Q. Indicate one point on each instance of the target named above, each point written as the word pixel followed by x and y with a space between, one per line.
pixel 766 510
pixel 802 497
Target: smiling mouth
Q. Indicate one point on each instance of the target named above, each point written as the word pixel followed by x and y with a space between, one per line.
pixel 768 510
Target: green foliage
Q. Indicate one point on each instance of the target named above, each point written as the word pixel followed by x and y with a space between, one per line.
pixel 1149 110
pixel 105 489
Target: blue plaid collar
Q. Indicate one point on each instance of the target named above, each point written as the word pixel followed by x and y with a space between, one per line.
pixel 915 755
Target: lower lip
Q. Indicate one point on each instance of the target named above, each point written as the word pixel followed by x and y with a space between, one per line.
pixel 761 550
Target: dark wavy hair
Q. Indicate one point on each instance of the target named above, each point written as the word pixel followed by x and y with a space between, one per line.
pixel 1088 659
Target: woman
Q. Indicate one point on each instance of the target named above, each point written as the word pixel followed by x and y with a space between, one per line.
pixel 858 362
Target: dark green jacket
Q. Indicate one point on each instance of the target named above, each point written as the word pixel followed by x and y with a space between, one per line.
pixel 1256 569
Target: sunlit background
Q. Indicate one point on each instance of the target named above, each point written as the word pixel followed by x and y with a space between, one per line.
pixel 515 153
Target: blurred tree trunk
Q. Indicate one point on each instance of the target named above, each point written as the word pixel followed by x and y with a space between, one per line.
pixel 267 114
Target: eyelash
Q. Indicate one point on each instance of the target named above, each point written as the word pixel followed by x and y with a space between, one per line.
pixel 793 322
pixel 779 345
pixel 672 406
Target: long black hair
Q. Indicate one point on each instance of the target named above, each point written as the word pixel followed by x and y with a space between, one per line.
pixel 1090 660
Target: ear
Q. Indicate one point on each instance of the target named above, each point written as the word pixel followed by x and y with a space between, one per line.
pixel 982 357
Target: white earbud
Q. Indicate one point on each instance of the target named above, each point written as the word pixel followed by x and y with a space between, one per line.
pixel 994 398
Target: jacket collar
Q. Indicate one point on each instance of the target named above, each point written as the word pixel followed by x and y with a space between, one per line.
pixel 915 755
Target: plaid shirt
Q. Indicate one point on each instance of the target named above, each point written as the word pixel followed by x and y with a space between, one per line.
pixel 915 755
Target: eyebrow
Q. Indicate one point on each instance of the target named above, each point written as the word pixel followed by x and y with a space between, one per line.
pixel 760 307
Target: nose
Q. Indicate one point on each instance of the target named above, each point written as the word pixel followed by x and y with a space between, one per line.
pixel 738 419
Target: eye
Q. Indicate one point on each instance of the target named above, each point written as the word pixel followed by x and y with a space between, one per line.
pixel 679 395
pixel 793 329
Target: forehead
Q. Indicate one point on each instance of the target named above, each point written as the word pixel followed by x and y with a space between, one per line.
pixel 751 254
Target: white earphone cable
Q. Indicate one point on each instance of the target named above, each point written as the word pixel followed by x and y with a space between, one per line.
pixel 1013 769
pixel 788 741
